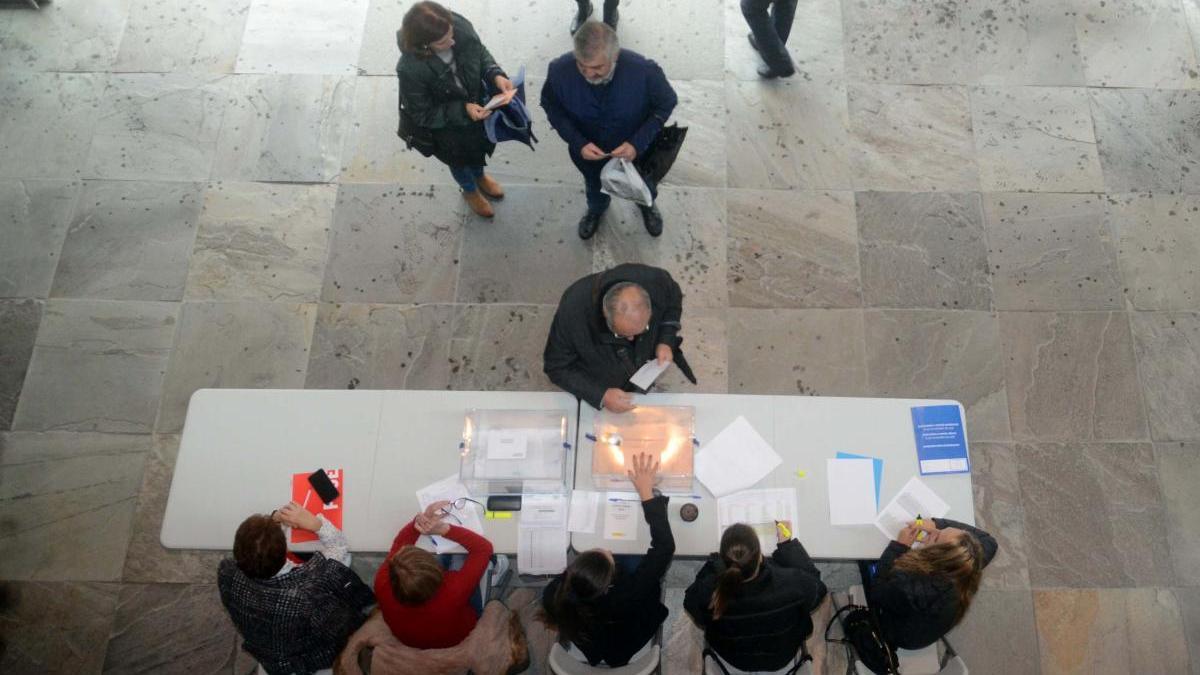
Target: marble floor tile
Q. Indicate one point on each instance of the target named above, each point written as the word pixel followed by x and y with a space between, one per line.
pixel 146 559
pixel 1135 124
pixel 1136 43
pixel 941 354
pixel 1071 376
pixel 66 503
pixel 691 247
pixel 1136 630
pixel 1178 471
pixel 48 122
pixel 19 321
pixel 55 627
pixel 681 574
pixel 1094 515
pixel 701 161
pixel 534 232
pixel 372 153
pixel 171 628
pixel 156 126
pixel 129 240
pixel 997 635
pixel 250 345
pixel 792 249
pixel 1167 345
pixel 381 347
pixel 325 38
pixel 683 641
pixel 811 352
pixel 259 241
pixel 34 216
pixel 284 128
pixel 689 44
pixel 706 347
pixel 1035 139
pixel 923 250
pixel 97 366
pixel 764 146
pixel 394 244
pixel 1021 43
pixel 998 511
pixel 164 36
pixel 912 138
pixel 815 43
pixel 839 576
pixel 499 347
pixel 1159 248
pixel 1189 606
pixel 533 35
pixel 904 42
pixel 63 36
pixel 1051 252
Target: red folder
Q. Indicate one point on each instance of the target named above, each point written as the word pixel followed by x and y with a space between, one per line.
pixel 304 495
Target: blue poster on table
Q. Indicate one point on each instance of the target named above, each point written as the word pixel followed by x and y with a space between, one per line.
pixel 941 440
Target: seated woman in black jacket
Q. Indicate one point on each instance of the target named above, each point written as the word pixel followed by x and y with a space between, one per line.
pixel 755 610
pixel 921 593
pixel 605 612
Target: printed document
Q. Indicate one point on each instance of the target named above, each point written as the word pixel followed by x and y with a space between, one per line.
pixel 759 509
pixel 914 499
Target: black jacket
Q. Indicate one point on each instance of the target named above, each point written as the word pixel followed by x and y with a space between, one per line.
pixel 769 618
pixel 632 610
pixel 297 622
pixel 432 99
pixel 915 609
pixel 584 357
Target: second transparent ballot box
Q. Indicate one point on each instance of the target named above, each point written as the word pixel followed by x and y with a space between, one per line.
pixel 666 433
pixel 514 452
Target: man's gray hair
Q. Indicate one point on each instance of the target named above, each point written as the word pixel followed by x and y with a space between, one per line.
pixel 614 307
pixel 594 38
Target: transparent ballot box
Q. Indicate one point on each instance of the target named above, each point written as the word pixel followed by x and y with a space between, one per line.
pixel 514 452
pixel 665 432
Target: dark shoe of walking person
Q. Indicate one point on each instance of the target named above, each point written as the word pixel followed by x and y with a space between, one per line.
pixel 589 223
pixel 478 203
pixel 652 219
pixel 585 11
pixel 767 72
pixel 489 187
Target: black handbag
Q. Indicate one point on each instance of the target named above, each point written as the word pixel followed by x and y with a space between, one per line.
pixel 864 639
pixel 414 136
pixel 660 156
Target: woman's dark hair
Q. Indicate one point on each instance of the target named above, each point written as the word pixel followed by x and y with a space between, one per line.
pixel 960 562
pixel 742 555
pixel 424 23
pixel 259 547
pixel 572 610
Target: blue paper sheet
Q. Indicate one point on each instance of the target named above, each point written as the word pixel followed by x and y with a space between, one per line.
pixel 878 466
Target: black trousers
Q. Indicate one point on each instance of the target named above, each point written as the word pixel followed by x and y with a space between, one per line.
pixel 609 5
pixel 771 22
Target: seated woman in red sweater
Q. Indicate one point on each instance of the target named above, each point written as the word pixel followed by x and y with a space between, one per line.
pixel 426 606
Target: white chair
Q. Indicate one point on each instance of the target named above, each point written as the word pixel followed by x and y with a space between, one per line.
pixel 713 667
pixel 562 663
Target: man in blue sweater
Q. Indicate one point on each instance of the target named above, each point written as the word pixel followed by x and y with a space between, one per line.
pixel 606 102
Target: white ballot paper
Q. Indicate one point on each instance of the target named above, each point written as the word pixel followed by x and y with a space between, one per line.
pixel 759 509
pixel 915 498
pixel 621 514
pixel 647 374
pixel 508 443
pixel 851 491
pixel 450 488
pixel 735 459
pixel 585 506
pixel 542 534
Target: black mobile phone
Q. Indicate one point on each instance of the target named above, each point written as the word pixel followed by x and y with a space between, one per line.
pixel 319 480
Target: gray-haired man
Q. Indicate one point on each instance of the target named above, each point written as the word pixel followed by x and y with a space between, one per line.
pixel 608 325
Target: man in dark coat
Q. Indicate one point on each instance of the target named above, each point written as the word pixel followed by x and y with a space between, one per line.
pixel 606 102
pixel 608 325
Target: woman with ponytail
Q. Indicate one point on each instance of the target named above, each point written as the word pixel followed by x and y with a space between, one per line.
pixel 924 583
pixel 607 612
pixel 755 610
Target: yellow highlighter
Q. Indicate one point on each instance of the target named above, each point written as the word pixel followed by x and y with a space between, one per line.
pixel 921 533
pixel 783 529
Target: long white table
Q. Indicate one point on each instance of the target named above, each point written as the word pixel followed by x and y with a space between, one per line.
pixel 805 431
pixel 240 448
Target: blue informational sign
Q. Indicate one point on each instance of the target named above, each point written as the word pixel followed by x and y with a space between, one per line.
pixel 941 440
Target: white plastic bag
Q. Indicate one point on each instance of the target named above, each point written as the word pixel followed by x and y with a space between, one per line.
pixel 620 178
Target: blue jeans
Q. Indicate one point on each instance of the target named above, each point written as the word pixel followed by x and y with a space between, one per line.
pixel 466 176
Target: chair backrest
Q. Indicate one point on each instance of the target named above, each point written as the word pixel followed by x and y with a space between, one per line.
pixel 562 663
pixel 761 641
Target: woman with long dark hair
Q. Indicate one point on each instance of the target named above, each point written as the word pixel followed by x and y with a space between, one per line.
pixel 924 583
pixel 608 612
pixel 446 77
pixel 755 610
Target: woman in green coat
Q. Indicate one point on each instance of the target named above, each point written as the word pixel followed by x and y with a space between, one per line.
pixel 446 77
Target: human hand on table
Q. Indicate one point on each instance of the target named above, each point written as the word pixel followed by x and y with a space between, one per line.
pixel 617 401
pixel 642 475
pixel 430 521
pixel 294 515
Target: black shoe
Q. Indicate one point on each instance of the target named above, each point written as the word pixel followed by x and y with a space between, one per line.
pixel 589 223
pixel 769 73
pixel 581 17
pixel 612 17
pixel 652 219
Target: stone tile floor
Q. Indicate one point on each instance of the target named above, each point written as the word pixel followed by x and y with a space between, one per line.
pixel 995 201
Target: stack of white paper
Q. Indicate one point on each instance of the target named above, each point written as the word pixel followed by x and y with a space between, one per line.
pixel 542 534
pixel 914 499
pixel 735 459
pixel 851 491
pixel 450 489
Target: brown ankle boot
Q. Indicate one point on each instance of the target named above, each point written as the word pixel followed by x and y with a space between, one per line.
pixel 478 204
pixel 489 187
